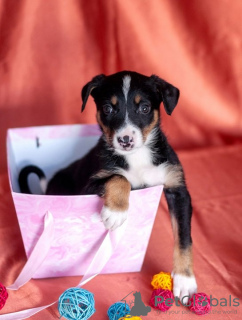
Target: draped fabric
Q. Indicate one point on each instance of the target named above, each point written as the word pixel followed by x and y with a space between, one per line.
pixel 50 49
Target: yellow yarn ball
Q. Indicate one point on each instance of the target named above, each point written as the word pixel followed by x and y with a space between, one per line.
pixel 162 280
pixel 128 316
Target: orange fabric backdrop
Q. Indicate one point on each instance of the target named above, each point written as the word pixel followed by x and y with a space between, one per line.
pixel 50 49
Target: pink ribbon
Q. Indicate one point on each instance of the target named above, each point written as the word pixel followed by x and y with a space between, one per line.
pixel 40 252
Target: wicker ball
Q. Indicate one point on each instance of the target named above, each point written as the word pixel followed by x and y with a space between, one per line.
pixel 199 303
pixel 118 310
pixel 76 304
pixel 162 295
pixel 3 296
pixel 162 280
pixel 128 316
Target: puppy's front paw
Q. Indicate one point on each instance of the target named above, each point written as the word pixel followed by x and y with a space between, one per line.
pixel 184 287
pixel 112 219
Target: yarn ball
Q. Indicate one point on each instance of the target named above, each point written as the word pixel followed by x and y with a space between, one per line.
pixel 118 310
pixel 3 296
pixel 128 316
pixel 199 303
pixel 76 304
pixel 162 304
pixel 162 280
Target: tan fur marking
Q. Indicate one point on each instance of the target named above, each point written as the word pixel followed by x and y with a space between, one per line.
pixel 174 176
pixel 137 98
pixel 151 126
pixel 182 258
pixel 114 100
pixel 107 132
pixel 102 174
pixel 117 191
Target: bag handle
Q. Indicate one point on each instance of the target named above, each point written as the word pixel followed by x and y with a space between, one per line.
pixel 40 252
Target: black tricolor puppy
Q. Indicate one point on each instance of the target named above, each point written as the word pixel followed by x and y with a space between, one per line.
pixel 132 153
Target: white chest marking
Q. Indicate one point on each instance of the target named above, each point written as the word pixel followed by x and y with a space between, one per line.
pixel 126 86
pixel 142 172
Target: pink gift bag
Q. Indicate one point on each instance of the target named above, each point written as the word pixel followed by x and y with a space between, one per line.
pixel 78 231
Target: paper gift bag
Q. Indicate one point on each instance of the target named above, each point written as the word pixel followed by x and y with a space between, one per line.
pixel 78 230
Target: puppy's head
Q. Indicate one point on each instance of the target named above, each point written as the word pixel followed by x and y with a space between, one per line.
pixel 128 107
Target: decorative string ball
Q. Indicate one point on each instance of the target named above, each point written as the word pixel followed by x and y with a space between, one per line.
pixel 162 280
pixel 3 296
pixel 159 299
pixel 76 304
pixel 128 316
pixel 117 310
pixel 199 303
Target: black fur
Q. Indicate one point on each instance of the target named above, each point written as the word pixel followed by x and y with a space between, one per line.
pixel 23 177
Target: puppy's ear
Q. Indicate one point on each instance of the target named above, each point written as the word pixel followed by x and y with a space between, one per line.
pixel 168 93
pixel 87 89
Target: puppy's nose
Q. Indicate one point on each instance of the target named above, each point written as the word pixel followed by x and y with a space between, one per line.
pixel 124 139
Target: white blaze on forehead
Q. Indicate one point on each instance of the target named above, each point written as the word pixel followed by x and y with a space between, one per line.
pixel 126 86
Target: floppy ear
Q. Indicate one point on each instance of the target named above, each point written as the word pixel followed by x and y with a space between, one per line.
pixel 168 93
pixel 87 89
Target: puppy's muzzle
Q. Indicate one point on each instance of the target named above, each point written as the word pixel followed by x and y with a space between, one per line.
pixel 126 142
pixel 128 138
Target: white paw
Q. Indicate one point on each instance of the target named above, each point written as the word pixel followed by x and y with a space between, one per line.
pixel 113 219
pixel 184 287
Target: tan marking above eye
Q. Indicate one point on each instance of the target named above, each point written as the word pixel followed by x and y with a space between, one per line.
pixel 137 98
pixel 114 100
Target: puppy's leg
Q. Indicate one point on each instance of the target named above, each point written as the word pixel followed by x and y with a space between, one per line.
pixel 179 204
pixel 116 201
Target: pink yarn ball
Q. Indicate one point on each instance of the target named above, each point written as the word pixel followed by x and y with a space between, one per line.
pixel 196 303
pixel 165 304
pixel 3 296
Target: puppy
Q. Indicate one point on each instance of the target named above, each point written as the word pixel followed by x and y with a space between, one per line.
pixel 132 153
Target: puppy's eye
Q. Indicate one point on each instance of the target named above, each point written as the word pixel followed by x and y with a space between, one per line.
pixel 144 109
pixel 107 109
